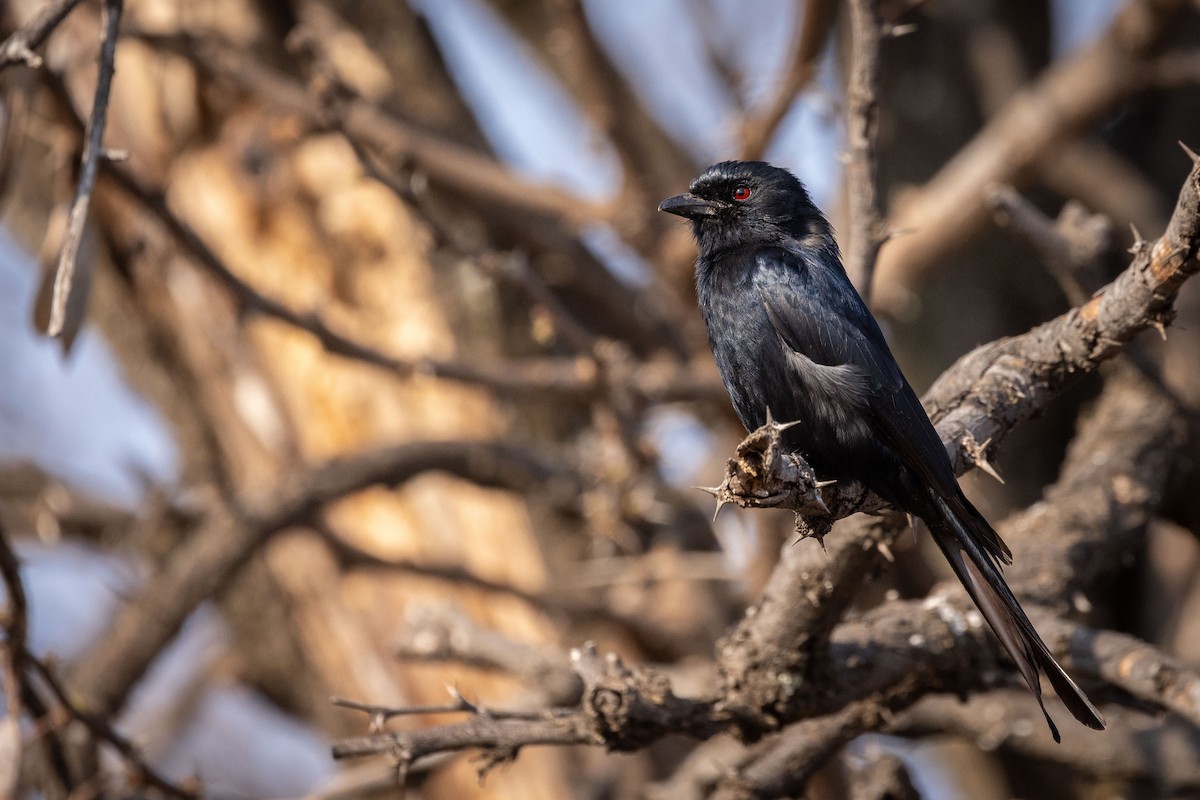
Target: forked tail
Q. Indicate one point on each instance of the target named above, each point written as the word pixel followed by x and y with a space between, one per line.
pixel 964 548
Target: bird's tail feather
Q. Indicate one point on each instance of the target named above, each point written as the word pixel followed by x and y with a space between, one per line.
pixel 975 566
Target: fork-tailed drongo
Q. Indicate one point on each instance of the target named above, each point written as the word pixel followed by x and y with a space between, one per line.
pixel 791 334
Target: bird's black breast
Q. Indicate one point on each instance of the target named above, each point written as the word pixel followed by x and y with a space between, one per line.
pixel 742 295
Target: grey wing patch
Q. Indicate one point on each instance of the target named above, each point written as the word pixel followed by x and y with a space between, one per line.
pixel 838 384
pixel 845 382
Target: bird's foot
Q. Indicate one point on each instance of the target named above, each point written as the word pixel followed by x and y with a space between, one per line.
pixel 764 474
pixel 813 529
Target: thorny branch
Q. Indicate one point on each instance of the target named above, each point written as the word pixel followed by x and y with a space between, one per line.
pixel 899 652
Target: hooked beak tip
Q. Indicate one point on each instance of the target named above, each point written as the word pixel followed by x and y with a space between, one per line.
pixel 688 205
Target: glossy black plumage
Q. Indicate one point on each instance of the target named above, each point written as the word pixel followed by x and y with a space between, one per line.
pixel 790 334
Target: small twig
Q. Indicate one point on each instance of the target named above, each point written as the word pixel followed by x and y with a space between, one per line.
pixel 18 48
pixel 868 230
pixel 446 633
pixel 64 274
pixel 460 705
pixel 102 731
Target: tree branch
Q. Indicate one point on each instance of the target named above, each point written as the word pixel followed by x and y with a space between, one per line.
pixel 1165 756
pixel 867 231
pixel 950 207
pixel 812 30
pixel 209 558
pixel 64 273
pixel 18 48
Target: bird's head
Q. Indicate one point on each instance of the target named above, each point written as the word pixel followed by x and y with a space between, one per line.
pixel 739 203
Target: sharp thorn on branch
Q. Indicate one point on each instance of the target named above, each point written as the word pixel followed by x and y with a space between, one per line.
pixel 1138 241
pixel 886 551
pixel 985 465
pixel 891 31
pixel 721 503
pixel 1190 153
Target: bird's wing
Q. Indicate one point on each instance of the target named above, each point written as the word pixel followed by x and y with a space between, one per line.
pixel 816 312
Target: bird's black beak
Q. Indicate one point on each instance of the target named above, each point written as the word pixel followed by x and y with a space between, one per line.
pixel 688 205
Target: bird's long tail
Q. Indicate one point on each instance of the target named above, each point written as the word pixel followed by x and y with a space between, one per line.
pixel 954 530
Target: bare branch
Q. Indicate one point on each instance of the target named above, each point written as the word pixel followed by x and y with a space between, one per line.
pixel 1066 256
pixel 18 48
pixel 867 231
pixel 209 558
pixel 445 633
pixel 622 709
pixel 1166 755
pixel 64 273
pixel 782 766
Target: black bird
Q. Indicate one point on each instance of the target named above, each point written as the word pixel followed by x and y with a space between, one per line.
pixel 791 334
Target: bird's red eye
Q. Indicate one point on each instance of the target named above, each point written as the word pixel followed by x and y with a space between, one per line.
pixel 741 193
